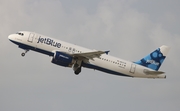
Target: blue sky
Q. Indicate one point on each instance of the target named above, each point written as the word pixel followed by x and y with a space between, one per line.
pixel 130 29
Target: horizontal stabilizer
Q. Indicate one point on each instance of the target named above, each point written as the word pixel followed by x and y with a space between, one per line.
pixel 153 72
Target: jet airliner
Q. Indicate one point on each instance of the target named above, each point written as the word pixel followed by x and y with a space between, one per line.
pixel 73 56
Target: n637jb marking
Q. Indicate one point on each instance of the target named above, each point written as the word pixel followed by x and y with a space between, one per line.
pixel 73 56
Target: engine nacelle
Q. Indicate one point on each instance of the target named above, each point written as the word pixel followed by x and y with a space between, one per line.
pixel 62 59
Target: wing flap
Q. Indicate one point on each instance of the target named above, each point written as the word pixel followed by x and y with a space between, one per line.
pixel 89 55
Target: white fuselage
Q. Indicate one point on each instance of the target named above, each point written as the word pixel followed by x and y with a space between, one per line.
pixel 105 62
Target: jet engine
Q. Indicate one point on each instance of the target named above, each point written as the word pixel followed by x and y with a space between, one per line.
pixel 62 59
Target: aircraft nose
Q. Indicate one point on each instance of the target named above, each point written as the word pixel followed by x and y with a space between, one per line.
pixel 10 37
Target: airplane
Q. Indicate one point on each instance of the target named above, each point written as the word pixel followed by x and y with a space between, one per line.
pixel 74 56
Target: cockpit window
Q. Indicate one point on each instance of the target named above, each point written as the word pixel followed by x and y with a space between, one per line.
pixel 19 33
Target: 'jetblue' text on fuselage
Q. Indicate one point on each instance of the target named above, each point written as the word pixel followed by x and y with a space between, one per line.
pixel 49 41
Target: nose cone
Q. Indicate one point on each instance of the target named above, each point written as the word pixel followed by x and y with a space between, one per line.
pixel 11 37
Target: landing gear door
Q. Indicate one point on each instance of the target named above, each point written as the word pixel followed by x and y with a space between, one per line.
pixel 31 37
pixel 133 68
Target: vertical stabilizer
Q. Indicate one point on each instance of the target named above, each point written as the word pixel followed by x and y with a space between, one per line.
pixel 154 59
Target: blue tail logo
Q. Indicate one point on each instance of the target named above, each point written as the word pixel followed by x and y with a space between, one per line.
pixel 154 59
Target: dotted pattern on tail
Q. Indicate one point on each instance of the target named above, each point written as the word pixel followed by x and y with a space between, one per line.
pixel 153 60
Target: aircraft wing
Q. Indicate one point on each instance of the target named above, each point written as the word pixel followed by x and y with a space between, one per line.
pixel 89 55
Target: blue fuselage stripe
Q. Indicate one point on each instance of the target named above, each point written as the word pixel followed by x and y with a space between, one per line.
pixel 23 46
pixel 91 66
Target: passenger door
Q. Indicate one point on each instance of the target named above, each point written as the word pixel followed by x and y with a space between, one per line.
pixel 31 37
pixel 133 68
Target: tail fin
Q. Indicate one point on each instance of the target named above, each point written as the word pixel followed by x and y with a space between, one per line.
pixel 154 59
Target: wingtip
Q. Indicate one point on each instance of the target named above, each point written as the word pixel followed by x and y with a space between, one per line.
pixel 107 52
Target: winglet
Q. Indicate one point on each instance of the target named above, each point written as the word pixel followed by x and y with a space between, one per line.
pixel 107 52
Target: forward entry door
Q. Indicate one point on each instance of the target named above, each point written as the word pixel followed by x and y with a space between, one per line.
pixel 31 37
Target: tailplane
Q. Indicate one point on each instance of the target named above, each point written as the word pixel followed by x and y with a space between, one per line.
pixel 155 59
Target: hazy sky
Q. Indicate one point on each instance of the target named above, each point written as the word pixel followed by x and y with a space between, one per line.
pixel 130 29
